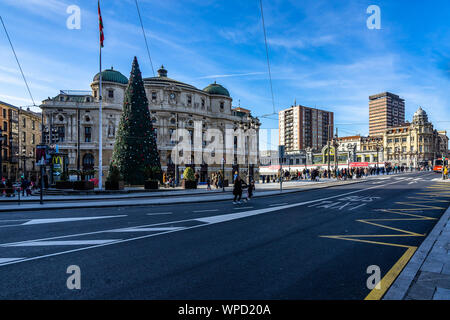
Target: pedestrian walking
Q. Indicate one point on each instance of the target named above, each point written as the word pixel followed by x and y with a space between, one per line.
pixel 208 184
pixel 251 188
pixel 237 190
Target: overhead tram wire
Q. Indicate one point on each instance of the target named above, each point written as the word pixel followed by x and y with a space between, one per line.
pixel 268 61
pixel 18 63
pixel 145 37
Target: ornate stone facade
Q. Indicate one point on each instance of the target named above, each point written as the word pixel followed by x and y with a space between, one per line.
pixel 9 123
pixel 416 143
pixel 72 117
pixel 29 137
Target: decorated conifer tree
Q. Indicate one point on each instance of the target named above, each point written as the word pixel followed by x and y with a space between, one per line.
pixel 135 148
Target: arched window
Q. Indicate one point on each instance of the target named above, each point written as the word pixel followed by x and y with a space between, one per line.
pixel 88 161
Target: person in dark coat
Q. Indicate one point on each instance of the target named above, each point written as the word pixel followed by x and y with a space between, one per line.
pixel 237 190
pixel 9 188
pixel 23 185
pixel 250 189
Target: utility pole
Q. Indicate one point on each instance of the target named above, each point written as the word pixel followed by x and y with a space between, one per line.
pixel 1 154
pixel 78 142
pixel 177 174
pixel 223 174
pixel 335 145
pixel 41 200
pixel 328 148
pixel 281 156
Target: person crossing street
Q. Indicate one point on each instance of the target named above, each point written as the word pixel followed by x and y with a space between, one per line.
pixel 237 190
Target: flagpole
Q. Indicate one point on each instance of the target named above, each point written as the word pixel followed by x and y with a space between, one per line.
pixel 100 122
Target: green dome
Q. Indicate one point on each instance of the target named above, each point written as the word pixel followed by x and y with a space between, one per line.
pixel 111 75
pixel 215 88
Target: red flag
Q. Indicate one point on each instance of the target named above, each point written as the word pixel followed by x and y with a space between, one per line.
pixel 100 22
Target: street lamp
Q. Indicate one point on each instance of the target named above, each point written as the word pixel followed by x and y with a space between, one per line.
pixel 2 138
pixel 223 174
pixel 23 157
pixel 328 146
pixel 336 163
pixel 378 147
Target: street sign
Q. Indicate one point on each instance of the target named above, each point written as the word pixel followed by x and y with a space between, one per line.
pixel 57 162
pixel 42 158
pixel 54 148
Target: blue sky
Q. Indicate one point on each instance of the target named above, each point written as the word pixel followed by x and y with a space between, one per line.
pixel 322 53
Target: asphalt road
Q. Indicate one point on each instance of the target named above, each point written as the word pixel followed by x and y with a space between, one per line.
pixel 307 245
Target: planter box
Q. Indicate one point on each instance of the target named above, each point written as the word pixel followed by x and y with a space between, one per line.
pixel 186 184
pixel 114 185
pixel 64 185
pixel 83 185
pixel 151 185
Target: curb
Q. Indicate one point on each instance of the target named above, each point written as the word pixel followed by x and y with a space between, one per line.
pixel 149 195
pixel 110 197
pixel 70 205
pixel 400 287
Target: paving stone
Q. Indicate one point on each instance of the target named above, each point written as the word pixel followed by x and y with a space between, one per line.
pixel 446 269
pixel 432 266
pixel 438 257
pixel 420 292
pixel 441 294
pixel 438 251
pixel 433 279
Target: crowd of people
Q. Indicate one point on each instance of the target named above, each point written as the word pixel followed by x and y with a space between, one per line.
pixel 8 188
pixel 315 174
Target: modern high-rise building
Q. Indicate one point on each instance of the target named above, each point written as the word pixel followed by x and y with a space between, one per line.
pixel 303 127
pixel 386 110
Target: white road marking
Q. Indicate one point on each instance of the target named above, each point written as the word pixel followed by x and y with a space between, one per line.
pixel 5 260
pixel 57 220
pixel 235 216
pixel 240 208
pixel 158 213
pixel 210 210
pixel 416 180
pixel 147 229
pixel 440 179
pixel 60 243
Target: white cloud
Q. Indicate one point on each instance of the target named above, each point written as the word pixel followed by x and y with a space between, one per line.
pixel 302 43
pixel 232 75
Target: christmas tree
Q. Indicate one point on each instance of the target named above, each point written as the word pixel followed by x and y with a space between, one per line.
pixel 135 148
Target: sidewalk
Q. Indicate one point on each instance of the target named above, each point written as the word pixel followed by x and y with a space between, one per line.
pixel 427 274
pixel 201 190
pixel 203 196
pixel 167 197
